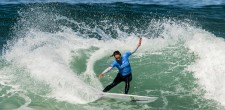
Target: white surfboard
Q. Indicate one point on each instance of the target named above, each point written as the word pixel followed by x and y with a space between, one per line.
pixel 129 98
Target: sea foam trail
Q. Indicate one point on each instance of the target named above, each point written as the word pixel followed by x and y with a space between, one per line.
pixel 47 59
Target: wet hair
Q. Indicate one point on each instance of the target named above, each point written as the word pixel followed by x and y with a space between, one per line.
pixel 116 53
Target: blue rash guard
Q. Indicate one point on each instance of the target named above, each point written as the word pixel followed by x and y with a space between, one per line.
pixel 123 64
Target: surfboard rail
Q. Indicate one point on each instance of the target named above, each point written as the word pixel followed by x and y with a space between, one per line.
pixel 128 97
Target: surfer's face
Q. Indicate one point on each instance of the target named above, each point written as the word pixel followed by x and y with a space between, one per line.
pixel 117 57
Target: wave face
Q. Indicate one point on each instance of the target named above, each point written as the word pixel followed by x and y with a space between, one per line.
pixel 53 52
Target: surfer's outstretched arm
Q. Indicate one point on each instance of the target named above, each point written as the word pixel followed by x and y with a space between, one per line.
pixel 105 71
pixel 139 44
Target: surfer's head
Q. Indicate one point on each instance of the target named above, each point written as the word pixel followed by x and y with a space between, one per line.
pixel 117 55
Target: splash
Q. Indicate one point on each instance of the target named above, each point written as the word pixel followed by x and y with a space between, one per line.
pixel 209 67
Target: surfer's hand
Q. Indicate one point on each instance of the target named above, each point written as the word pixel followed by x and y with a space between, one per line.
pixel 100 75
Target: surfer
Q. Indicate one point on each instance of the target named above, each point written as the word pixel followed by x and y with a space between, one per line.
pixel 123 65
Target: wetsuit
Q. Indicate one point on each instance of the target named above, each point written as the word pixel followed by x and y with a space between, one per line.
pixel 124 74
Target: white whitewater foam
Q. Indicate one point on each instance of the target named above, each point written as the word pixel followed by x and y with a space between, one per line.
pixel 209 68
pixel 46 57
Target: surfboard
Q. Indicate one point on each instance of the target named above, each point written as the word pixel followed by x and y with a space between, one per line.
pixel 129 98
